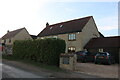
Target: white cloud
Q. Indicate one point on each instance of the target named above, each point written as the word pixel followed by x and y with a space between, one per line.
pixel 69 10
pixel 106 28
pixel 86 0
pixel 108 21
pixel 111 35
pixel 15 14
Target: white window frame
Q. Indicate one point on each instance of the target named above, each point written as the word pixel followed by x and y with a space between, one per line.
pixel 55 37
pixel 101 50
pixel 71 36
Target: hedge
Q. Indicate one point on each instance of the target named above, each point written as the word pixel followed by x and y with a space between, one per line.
pixel 44 50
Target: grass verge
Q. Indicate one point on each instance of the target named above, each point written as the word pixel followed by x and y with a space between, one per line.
pixel 37 64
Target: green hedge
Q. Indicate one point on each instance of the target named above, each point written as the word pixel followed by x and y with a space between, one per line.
pixel 45 50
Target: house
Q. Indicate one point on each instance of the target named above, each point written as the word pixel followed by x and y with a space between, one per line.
pixel 0 48
pixel 33 36
pixel 106 44
pixel 0 40
pixel 11 36
pixel 76 33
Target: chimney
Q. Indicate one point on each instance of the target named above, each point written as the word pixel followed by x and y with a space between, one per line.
pixel 8 31
pixel 47 24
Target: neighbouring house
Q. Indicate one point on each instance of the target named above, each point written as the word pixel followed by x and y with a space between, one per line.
pixel 0 39
pixel 19 34
pixel 33 36
pixel 76 33
pixel 0 44
pixel 1 47
pixel 106 44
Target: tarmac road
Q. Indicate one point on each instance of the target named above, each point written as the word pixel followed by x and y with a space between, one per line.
pixel 22 68
pixel 12 72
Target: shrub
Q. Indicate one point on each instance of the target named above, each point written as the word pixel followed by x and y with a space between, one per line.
pixel 44 50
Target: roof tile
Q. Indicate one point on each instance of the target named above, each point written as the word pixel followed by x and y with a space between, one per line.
pixel 12 33
pixel 67 27
pixel 103 42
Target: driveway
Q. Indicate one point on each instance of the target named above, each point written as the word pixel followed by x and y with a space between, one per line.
pixel 105 71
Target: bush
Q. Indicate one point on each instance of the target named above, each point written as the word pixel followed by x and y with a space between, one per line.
pixel 44 50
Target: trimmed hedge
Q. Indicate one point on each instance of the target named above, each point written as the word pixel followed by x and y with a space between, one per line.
pixel 44 50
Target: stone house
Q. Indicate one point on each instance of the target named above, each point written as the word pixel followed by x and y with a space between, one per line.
pixel 76 33
pixel 106 44
pixel 0 40
pixel 19 34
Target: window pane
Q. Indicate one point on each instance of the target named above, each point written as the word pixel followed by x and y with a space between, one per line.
pixel 71 36
pixel 71 49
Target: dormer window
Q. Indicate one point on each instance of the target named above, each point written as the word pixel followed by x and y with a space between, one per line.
pixel 51 27
pixel 61 25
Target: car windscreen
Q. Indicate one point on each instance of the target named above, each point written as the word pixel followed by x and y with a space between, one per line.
pixel 102 54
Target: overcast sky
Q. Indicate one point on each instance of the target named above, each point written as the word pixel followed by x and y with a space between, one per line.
pixel 33 14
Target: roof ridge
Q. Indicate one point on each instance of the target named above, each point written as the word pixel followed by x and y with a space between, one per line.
pixel 70 20
pixel 17 29
pixel 108 37
pixel 112 36
pixel 12 33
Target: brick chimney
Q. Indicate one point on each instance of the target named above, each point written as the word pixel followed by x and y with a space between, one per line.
pixel 47 24
pixel 8 31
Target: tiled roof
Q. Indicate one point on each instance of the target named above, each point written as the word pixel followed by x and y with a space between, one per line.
pixel 65 27
pixel 103 42
pixel 12 33
pixel 101 35
pixel 34 36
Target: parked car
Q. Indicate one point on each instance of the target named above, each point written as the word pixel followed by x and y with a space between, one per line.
pixel 84 56
pixel 104 57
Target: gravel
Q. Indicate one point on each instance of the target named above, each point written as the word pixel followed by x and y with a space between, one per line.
pixel 105 71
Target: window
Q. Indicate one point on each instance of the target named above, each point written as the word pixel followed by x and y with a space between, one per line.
pixel 55 37
pixel 100 50
pixel 71 49
pixel 61 25
pixel 42 37
pixel 5 41
pixel 72 37
pixel 9 40
pixel 51 27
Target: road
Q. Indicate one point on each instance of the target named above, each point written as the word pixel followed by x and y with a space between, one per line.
pixel 10 71
pixel 0 70
pixel 13 72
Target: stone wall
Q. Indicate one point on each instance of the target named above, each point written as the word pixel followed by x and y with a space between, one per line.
pixel 68 61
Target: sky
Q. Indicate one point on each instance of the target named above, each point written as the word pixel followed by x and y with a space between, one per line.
pixel 34 14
